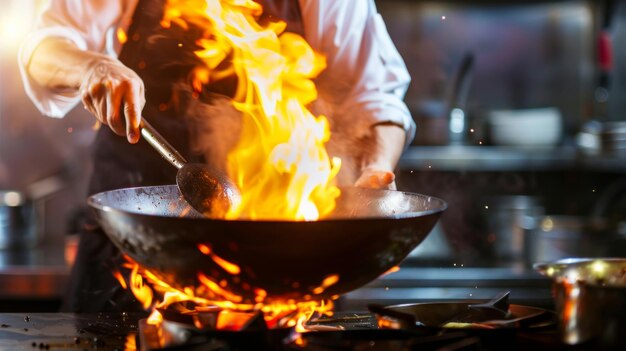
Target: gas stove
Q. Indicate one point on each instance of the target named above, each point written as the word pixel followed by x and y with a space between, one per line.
pixel 342 331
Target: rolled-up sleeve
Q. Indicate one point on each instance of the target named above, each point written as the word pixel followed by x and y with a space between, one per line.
pixel 90 25
pixel 366 79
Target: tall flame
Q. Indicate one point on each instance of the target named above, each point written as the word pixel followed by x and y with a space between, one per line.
pixel 280 164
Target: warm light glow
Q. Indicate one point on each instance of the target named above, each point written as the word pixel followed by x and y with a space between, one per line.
pixel 16 19
pixel 280 163
pixel 570 313
pixel 391 270
pixel 121 36
pixel 547 224
pixel 599 268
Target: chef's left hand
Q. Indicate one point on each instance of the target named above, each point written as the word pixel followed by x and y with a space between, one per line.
pixel 378 163
pixel 376 179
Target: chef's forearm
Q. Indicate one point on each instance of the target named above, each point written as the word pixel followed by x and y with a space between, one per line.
pixel 389 144
pixel 59 65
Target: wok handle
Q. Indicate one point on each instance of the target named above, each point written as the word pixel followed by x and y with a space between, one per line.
pixel 158 142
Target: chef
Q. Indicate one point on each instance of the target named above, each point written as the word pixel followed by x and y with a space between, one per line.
pixel 76 55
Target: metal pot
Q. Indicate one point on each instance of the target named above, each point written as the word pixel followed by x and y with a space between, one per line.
pixel 509 219
pixel 22 213
pixel 18 221
pixel 590 299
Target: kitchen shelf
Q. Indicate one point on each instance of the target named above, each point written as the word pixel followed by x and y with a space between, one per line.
pixel 507 158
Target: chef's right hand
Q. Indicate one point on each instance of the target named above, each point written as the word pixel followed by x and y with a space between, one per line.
pixel 114 93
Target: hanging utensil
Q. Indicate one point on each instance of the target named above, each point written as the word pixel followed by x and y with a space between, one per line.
pixel 458 120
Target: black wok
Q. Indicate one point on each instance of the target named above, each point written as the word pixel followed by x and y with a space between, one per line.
pixel 369 232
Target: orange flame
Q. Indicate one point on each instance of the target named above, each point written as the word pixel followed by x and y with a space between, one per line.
pixel 118 275
pixel 328 281
pixel 141 291
pixel 280 164
pixel 276 313
pixel 227 266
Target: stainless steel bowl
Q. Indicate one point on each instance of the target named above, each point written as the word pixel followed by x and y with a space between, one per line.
pixel 590 299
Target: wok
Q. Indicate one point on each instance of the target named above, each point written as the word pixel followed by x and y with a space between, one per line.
pixel 368 233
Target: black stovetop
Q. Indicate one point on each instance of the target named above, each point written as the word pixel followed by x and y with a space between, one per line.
pixel 119 331
pixel 65 331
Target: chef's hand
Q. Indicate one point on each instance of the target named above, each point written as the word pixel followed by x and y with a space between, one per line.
pixel 115 95
pixel 376 179
pixel 106 86
pixel 379 163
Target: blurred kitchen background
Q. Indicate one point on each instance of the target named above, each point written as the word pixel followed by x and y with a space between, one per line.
pixel 521 129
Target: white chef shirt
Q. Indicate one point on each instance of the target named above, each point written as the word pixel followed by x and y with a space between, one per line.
pixel 364 82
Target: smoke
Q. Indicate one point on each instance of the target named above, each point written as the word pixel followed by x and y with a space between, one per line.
pixel 214 125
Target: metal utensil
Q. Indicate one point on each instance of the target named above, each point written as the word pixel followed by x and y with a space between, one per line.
pixel 436 315
pixel 406 320
pixel 457 123
pixel 494 309
pixel 208 190
pixel 590 299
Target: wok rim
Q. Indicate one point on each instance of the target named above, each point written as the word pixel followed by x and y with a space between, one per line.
pixel 443 205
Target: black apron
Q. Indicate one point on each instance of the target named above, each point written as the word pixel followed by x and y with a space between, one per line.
pixel 158 58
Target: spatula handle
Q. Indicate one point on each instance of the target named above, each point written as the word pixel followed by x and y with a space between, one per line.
pixel 158 142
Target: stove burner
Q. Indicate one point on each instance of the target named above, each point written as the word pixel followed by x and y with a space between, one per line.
pixel 210 328
pixel 342 331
